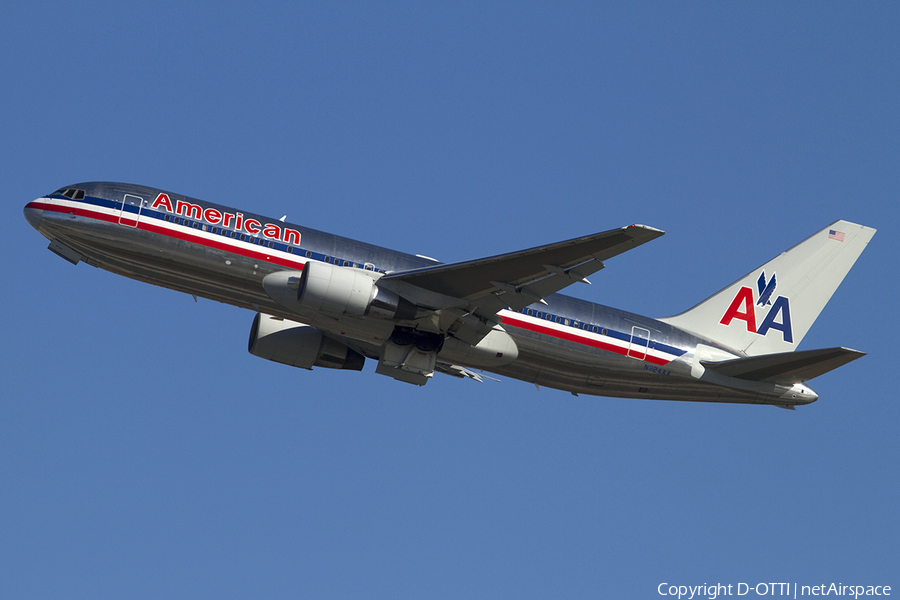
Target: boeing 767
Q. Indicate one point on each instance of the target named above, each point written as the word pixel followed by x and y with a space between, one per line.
pixel 326 301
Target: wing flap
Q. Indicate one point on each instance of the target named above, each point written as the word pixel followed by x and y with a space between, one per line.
pixel 785 367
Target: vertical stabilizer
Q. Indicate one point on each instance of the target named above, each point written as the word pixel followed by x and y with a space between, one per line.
pixel 771 308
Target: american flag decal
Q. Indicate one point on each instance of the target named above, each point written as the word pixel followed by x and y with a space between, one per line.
pixel 833 234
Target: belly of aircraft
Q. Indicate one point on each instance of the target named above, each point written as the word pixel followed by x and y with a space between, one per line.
pixel 565 366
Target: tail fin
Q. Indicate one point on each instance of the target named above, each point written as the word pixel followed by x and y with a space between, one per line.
pixel 771 308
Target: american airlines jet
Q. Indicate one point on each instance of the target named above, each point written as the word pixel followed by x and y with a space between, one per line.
pixel 326 301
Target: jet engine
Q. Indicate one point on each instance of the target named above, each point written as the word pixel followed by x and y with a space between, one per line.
pixel 299 345
pixel 336 291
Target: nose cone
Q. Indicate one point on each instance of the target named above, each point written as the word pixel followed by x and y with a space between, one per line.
pixel 34 216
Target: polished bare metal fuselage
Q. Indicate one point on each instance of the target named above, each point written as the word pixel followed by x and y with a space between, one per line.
pixel 129 246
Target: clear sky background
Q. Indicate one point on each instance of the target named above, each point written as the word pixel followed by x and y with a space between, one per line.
pixel 145 454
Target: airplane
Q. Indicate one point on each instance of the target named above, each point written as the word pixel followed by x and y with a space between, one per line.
pixel 326 301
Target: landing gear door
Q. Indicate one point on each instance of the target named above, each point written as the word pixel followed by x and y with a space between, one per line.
pixel 130 212
pixel 640 342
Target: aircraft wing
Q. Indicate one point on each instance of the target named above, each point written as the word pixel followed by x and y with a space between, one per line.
pixel 487 285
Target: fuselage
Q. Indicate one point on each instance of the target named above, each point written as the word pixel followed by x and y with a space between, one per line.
pixel 223 254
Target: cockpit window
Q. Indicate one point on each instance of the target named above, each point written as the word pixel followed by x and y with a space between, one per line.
pixel 72 193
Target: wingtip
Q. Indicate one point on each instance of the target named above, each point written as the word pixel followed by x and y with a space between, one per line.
pixel 647 228
pixel 642 226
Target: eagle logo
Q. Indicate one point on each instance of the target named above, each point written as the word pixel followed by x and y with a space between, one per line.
pixel 765 289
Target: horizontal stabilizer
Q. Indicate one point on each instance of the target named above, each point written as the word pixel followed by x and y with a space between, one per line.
pixel 785 367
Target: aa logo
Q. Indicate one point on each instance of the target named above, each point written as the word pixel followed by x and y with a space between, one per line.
pixel 743 308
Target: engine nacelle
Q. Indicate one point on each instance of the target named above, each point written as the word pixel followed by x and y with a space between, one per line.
pixel 335 291
pixel 299 345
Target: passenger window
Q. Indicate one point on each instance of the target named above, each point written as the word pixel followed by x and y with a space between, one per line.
pixel 308 254
pixel 290 249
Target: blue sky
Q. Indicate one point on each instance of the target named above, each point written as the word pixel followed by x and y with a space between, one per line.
pixel 144 453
